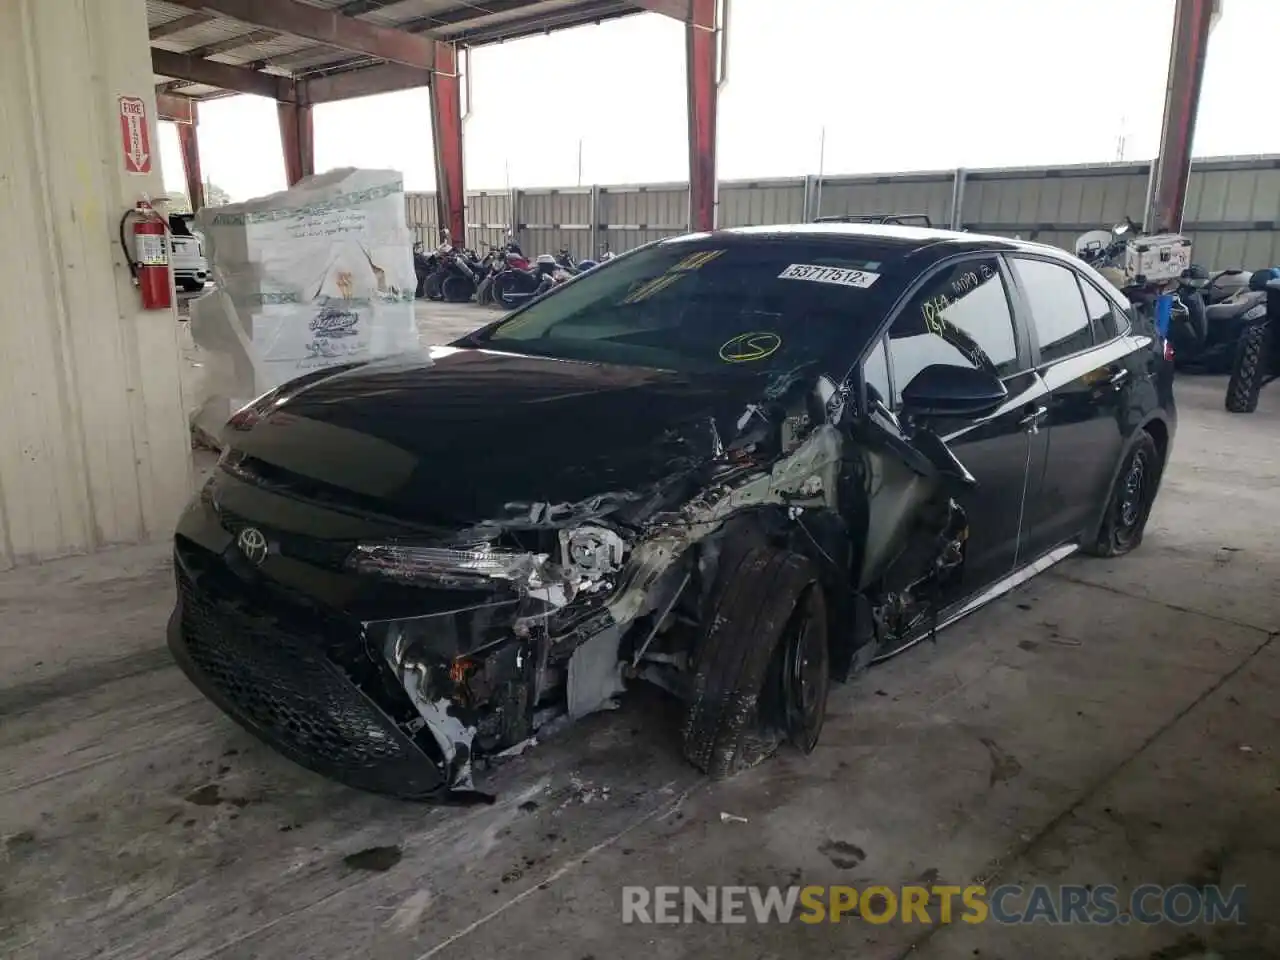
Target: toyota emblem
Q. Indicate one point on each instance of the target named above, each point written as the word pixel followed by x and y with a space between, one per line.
pixel 253 544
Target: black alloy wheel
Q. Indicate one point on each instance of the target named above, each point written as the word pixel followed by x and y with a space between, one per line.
pixel 1125 521
pixel 806 671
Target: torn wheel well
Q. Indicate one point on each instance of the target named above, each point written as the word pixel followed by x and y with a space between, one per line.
pixel 824 538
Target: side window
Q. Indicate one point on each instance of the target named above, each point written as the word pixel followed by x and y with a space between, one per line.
pixel 1102 313
pixel 1057 308
pixel 960 316
pixel 876 372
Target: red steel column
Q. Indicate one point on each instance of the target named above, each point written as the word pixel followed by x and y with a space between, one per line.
pixel 702 80
pixel 446 130
pixel 189 142
pixel 297 140
pixel 1192 21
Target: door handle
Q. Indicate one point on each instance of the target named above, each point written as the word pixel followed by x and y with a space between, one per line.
pixel 1032 420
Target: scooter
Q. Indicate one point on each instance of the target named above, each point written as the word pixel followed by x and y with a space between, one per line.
pixel 1257 359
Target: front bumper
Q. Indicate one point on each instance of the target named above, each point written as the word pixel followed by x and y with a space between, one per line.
pixel 285 679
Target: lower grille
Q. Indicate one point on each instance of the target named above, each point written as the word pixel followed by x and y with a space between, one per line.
pixel 282 687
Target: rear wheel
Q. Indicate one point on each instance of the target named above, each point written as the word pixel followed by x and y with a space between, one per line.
pixel 1249 368
pixel 1134 493
pixel 457 288
pixel 762 667
pixel 509 289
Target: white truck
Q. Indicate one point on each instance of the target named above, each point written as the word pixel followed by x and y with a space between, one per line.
pixel 190 267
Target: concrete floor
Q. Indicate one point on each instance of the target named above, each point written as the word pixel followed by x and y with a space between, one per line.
pixel 1112 721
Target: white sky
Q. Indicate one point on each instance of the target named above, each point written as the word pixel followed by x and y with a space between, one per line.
pixel 898 85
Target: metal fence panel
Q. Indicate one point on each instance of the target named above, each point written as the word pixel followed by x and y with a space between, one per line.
pixel 633 216
pixel 1232 215
pixel 761 203
pixel 1235 192
pixel 488 219
pixel 553 220
pixel 1225 249
pixel 928 193
pixel 1053 199
pixel 662 208
pixel 420 218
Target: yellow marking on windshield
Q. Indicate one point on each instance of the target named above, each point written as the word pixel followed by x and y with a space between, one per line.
pixel 693 261
pixel 652 287
pixel 746 347
pixel 696 260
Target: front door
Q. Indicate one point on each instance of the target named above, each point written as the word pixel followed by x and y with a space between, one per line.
pixel 961 315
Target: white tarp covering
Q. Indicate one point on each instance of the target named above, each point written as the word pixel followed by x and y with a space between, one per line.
pixel 315 276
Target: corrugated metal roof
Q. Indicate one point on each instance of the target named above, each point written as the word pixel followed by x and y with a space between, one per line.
pixel 181 30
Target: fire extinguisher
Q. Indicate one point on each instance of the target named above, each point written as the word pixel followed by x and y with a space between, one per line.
pixel 149 261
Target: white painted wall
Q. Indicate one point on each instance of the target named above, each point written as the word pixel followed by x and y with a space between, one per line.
pixel 94 448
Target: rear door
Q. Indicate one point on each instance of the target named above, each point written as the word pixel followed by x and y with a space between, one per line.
pixel 961 314
pixel 1085 365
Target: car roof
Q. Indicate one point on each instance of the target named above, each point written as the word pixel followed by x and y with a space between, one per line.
pixel 898 234
pixel 918 246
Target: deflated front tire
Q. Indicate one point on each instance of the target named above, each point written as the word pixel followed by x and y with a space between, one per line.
pixel 744 697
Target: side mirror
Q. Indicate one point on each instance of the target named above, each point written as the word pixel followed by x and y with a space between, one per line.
pixel 945 390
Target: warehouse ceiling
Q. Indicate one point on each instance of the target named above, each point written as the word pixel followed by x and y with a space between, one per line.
pixel 254 35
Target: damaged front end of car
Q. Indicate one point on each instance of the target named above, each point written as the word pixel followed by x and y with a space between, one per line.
pixel 561 604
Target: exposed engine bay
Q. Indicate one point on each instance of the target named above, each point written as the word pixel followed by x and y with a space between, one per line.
pixel 570 601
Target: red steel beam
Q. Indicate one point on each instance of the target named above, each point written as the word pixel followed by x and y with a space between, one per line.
pixel 1192 22
pixel 297 140
pixel 364 82
pixel 189 141
pixel 446 129
pixel 702 43
pixel 676 9
pixel 324 26
pixel 702 78
pixel 225 76
pixel 175 109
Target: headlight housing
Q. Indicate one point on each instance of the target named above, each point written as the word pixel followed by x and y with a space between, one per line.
pixel 472 565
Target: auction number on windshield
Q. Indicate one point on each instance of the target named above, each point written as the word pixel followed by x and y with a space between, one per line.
pixel 750 346
pixel 843 276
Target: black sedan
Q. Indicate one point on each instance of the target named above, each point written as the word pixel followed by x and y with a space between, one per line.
pixel 739 465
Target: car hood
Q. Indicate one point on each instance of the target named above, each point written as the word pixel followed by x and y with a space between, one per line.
pixel 456 437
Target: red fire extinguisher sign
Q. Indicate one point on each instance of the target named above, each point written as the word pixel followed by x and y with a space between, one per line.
pixel 135 135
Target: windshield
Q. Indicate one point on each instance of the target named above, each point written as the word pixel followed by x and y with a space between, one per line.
pixel 715 304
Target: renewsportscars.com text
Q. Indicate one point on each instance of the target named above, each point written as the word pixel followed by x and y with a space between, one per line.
pixel 1008 904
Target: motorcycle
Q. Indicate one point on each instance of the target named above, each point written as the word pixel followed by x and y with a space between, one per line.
pixel 1257 357
pixel 500 259
pixel 430 285
pixel 514 286
pixel 1153 272
pixel 424 265
pixel 462 275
